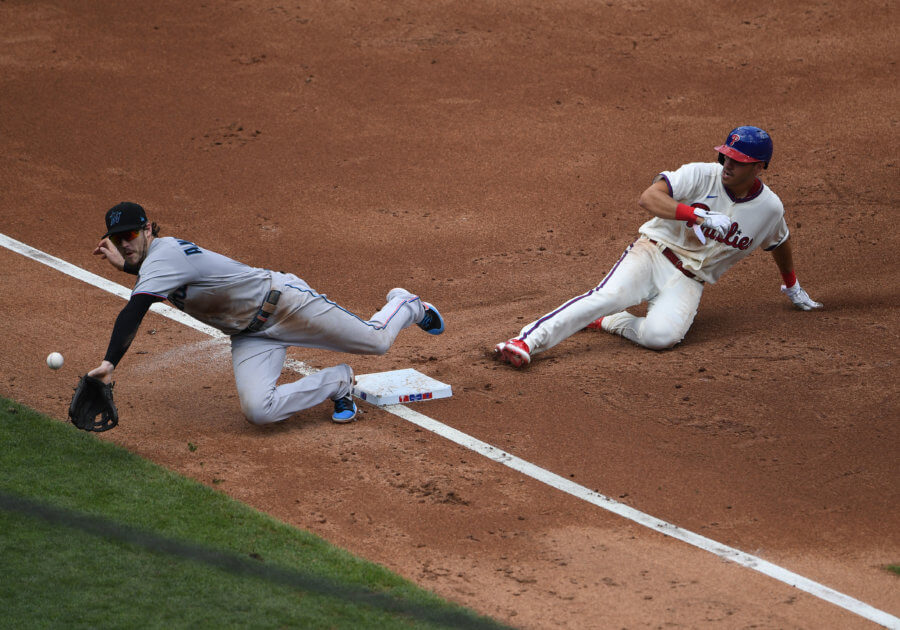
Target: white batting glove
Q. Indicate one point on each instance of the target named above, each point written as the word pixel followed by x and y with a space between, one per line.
pixel 699 234
pixel 800 298
pixel 718 222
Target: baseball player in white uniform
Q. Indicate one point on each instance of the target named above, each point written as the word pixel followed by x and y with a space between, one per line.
pixel 264 312
pixel 708 216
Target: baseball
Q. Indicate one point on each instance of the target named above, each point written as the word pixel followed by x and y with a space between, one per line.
pixel 55 360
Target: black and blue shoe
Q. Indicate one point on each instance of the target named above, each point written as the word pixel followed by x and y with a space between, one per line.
pixel 432 323
pixel 344 410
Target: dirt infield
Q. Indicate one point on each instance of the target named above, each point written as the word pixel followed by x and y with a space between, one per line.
pixel 489 156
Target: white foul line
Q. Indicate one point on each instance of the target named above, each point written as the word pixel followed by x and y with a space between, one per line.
pixel 535 472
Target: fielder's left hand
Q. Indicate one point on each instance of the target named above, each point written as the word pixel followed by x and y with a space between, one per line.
pixel 104 372
pixel 800 298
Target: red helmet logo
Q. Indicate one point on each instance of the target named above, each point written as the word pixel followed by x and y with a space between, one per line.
pixel 734 138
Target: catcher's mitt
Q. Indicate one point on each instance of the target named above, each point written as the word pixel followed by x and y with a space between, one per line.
pixel 93 397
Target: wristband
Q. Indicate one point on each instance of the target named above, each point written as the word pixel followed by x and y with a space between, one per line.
pixel 790 278
pixel 685 212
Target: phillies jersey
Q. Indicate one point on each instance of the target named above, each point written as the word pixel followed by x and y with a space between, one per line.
pixel 757 220
pixel 213 288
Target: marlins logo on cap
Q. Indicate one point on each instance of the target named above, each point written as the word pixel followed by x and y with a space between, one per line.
pixel 123 217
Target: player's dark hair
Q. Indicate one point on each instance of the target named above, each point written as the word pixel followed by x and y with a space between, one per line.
pixel 154 229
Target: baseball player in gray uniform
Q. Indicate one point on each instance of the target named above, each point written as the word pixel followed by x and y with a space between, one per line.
pixel 264 312
pixel 708 216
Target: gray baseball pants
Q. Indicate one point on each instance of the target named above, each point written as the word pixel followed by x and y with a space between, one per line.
pixel 308 319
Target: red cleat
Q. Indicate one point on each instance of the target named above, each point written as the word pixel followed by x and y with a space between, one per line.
pixel 595 325
pixel 515 352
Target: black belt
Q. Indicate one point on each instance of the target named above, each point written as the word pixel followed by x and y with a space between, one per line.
pixel 264 312
pixel 675 260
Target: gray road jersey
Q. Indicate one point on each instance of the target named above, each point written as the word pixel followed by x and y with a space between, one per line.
pixel 213 288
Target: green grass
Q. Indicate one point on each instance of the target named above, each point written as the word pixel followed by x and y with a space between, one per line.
pixel 894 567
pixel 95 537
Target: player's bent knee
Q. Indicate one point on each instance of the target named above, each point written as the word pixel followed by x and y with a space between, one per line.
pixel 383 347
pixel 256 417
pixel 380 345
pixel 256 411
pixel 661 344
pixel 660 337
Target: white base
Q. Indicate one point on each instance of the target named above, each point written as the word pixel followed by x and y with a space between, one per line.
pixel 398 386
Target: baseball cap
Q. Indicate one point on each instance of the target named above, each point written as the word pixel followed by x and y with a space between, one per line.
pixel 123 217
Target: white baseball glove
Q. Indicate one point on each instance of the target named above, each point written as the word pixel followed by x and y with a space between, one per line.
pixel 800 298
pixel 718 222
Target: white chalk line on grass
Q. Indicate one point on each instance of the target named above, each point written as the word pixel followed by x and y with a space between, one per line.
pixel 511 461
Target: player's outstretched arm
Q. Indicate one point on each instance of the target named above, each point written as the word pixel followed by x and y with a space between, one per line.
pixel 784 259
pixel 124 330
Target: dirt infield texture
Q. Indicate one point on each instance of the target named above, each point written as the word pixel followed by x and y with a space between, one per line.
pixel 489 156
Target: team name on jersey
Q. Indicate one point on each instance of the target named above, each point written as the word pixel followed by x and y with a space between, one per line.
pixel 731 238
pixel 190 248
pixel 178 296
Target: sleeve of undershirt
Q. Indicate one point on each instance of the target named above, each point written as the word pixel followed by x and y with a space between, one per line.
pixel 127 324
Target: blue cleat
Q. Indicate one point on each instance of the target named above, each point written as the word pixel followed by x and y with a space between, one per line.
pixel 432 323
pixel 344 410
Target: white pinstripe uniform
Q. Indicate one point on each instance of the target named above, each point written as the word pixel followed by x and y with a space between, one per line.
pixel 656 267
